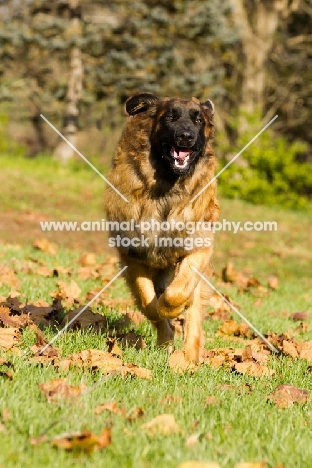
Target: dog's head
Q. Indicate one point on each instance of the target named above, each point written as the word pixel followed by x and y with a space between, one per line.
pixel 180 132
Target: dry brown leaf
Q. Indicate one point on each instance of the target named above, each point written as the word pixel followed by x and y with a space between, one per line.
pixel 286 395
pixel 9 278
pixel 135 317
pixel 111 406
pixel 84 441
pixel 105 362
pixel 247 361
pixel 45 246
pixel 94 358
pixel 88 259
pixel 178 363
pixel 254 369
pixel 305 350
pixel 230 327
pixel 18 321
pixel 70 292
pixel 273 282
pixel 300 316
pixel 192 440
pixel 240 279
pixel 85 320
pixel 199 464
pixel 57 389
pixel 164 424
pixel 131 339
pixel 137 371
pixel 290 348
pixel 219 304
pixel 113 347
pixel 135 413
pixel 9 337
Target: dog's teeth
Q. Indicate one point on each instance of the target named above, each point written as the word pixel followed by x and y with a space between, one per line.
pixel 181 163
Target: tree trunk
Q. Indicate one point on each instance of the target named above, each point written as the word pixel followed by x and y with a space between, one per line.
pixel 256 22
pixel 63 151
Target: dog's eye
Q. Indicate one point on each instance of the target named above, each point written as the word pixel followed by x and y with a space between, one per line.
pixel 199 120
pixel 169 118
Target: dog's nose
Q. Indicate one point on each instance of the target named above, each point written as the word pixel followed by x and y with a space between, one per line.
pixel 185 137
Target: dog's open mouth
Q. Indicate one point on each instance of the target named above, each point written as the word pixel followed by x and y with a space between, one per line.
pixel 181 156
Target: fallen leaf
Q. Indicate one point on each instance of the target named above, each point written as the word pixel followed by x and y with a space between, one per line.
pixel 300 316
pixel 45 246
pixel 9 278
pixel 273 282
pixel 132 339
pixel 85 320
pixel 105 362
pixel 305 350
pixel 230 327
pixel 178 363
pixel 70 292
pixel 134 413
pixel 240 279
pixel 192 440
pixel 56 389
pixel 254 369
pixel 111 406
pixel 84 441
pixel 290 348
pixel 286 395
pixel 137 371
pixel 164 424
pixel 87 259
pixel 9 337
pixel 18 321
pixel 113 347
pixel 135 317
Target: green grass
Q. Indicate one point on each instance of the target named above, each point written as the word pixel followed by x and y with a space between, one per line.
pixel 241 426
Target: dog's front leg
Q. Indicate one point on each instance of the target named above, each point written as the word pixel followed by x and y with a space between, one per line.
pixel 139 280
pixel 179 295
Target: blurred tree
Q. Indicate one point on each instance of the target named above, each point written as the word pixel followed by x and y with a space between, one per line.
pixel 249 56
pixel 63 151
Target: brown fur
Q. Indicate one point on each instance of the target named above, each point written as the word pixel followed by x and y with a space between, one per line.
pixel 161 278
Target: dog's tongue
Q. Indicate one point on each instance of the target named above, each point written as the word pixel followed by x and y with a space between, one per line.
pixel 180 153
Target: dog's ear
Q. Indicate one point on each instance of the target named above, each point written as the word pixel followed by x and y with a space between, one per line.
pixel 208 105
pixel 140 103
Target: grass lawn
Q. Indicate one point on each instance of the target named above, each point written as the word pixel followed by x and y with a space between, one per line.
pixel 237 425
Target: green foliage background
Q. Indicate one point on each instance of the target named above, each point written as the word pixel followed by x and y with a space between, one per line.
pixel 179 48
